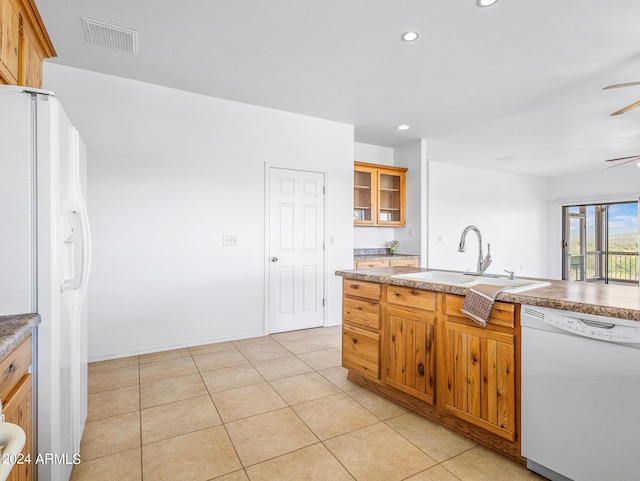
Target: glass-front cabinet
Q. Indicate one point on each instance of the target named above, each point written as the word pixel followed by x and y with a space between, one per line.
pixel 379 195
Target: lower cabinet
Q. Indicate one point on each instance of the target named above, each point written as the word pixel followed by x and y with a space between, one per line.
pixel 16 398
pixel 410 350
pixel 375 263
pixel 17 410
pixel 481 367
pixel 481 377
pixel 415 346
pixel 361 327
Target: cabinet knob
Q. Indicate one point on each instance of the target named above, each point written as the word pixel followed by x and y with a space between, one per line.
pixel 421 369
pixel 274 259
pixel 12 367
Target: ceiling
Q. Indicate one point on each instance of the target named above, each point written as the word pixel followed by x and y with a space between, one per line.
pixel 516 87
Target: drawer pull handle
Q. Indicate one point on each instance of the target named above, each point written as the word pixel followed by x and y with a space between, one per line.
pixel 355 286
pixel 12 367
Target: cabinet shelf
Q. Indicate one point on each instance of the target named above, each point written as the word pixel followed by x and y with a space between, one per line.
pixel 379 189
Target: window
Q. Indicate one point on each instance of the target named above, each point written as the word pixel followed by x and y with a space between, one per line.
pixel 600 243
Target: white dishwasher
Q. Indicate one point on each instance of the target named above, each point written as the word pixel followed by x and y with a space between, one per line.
pixel 580 395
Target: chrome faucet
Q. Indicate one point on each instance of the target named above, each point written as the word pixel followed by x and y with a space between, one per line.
pixel 483 262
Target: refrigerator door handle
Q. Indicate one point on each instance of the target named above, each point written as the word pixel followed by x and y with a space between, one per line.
pixel 82 280
pixel 71 252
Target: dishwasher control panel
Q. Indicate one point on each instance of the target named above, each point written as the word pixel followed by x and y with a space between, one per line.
pixel 586 325
pixel 602 330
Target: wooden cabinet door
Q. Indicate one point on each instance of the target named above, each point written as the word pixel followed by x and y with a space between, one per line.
pixel 481 377
pixel 31 65
pixel 9 42
pixel 391 197
pixel 364 195
pixel 410 350
pixel 17 410
pixel 379 195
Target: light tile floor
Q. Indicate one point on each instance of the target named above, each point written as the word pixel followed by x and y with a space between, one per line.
pixel 274 408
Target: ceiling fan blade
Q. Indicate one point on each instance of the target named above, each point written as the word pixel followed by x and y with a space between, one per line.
pixel 624 158
pixel 627 108
pixel 617 86
pixel 625 162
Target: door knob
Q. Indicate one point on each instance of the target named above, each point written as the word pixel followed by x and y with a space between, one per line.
pixel 274 259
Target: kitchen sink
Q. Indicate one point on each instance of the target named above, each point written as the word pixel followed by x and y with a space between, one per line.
pixel 439 277
pixel 459 279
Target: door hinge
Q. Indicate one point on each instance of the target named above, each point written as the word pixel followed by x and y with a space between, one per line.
pixel 322 302
pixel 323 246
pixel 323 190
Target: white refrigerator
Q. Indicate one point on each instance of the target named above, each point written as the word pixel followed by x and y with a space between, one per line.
pixel 44 263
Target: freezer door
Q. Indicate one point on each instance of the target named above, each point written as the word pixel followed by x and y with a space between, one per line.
pixel 17 283
pixel 63 273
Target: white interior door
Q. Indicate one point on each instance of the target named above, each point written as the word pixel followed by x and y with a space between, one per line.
pixel 296 249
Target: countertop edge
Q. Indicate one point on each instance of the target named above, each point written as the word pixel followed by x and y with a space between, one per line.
pixel 14 329
pixel 375 257
pixel 563 295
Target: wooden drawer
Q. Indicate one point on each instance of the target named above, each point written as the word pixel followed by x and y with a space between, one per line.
pixel 406 296
pixel 403 262
pixel 370 290
pixel 13 367
pixel 370 264
pixel 503 313
pixel 361 351
pixel 363 313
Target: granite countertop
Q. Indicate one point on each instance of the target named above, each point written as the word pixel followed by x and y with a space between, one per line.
pixel 621 302
pixel 375 257
pixel 15 329
pixel 379 253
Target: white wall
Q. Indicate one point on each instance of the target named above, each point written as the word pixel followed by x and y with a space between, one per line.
pixel 169 173
pixel 509 210
pixel 412 157
pixel 620 184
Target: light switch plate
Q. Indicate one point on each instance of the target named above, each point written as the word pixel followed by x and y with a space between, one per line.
pixel 230 240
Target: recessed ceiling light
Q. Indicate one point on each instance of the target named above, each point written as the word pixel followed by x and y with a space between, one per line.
pixel 403 127
pixel 410 36
pixel 485 3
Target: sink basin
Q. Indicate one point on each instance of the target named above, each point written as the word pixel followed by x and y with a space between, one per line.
pixel 440 277
pixel 459 279
pixel 513 285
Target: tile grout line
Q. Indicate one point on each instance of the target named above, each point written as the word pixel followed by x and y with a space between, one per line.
pixel 287 404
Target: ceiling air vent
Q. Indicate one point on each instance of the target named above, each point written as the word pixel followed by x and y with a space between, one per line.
pixel 99 33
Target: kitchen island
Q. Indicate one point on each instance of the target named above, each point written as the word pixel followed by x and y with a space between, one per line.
pixel 407 340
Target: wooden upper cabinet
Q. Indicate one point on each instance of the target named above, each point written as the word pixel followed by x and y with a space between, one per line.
pixel 24 43
pixel 379 195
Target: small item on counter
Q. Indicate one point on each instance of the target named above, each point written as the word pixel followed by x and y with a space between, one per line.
pixel 392 245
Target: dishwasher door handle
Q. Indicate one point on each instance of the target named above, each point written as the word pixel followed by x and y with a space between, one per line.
pixel 601 325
